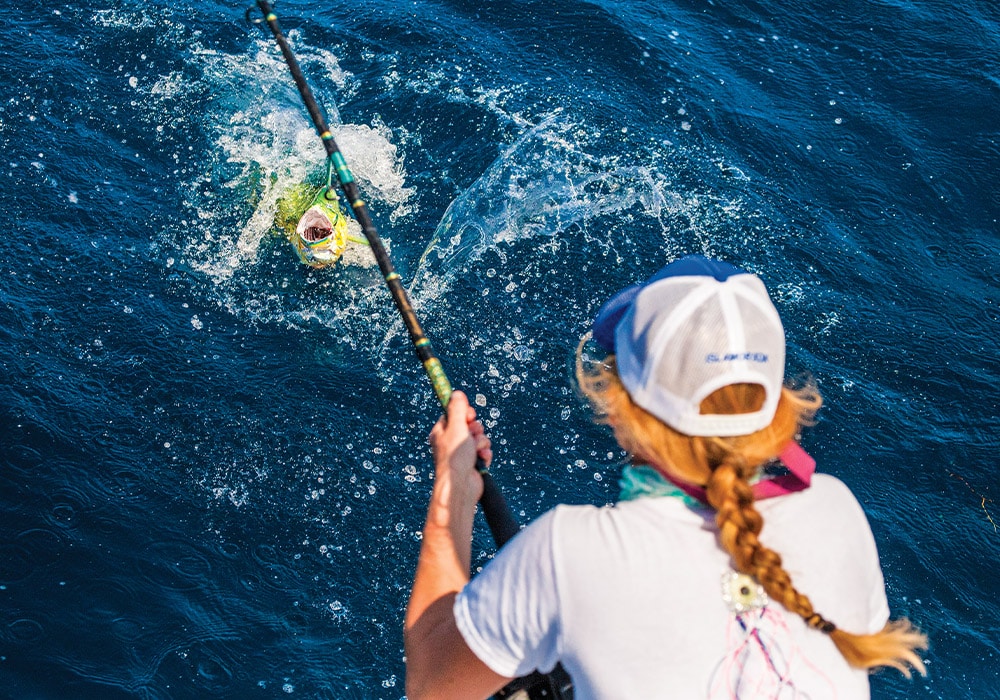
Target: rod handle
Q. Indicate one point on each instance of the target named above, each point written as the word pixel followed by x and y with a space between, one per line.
pixel 499 517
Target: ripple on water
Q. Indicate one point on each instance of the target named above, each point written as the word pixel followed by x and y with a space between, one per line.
pixel 272 562
pixel 251 582
pixel 971 256
pixel 108 603
pixel 31 550
pixel 127 629
pixel 229 550
pixel 872 208
pixel 68 502
pixel 849 144
pixel 178 565
pixel 24 456
pixel 22 630
pixel 63 514
pixel 979 258
pixel 896 151
pixel 995 195
pixel 844 163
pixel 15 564
pixel 213 675
pixel 941 256
pixel 199 658
pixel 991 314
pixel 127 484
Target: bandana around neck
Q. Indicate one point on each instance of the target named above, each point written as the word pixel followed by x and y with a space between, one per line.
pixel 641 480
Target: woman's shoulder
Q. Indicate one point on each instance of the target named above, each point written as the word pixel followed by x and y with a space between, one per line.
pixel 827 485
pixel 829 489
pixel 639 519
pixel 828 504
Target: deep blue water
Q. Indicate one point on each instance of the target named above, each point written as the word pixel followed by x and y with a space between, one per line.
pixel 214 461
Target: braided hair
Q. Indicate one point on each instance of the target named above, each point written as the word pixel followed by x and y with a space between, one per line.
pixel 725 465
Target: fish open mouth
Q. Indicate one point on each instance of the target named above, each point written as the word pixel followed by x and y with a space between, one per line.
pixel 319 237
pixel 314 226
pixel 321 233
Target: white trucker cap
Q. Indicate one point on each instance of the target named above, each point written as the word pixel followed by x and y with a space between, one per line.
pixel 694 327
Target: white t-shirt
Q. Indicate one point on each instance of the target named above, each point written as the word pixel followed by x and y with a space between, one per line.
pixel 631 600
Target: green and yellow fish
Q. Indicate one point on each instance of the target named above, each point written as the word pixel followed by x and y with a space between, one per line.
pixel 315 224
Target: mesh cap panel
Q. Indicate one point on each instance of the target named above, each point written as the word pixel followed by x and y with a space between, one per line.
pixel 685 337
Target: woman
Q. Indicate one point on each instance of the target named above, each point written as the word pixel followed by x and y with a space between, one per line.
pixel 680 590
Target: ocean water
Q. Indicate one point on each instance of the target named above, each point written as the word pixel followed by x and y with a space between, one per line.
pixel 214 462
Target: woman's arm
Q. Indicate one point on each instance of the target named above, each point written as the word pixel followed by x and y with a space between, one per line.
pixel 438 662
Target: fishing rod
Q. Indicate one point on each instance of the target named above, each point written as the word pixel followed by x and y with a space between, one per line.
pixel 499 517
pixel 556 685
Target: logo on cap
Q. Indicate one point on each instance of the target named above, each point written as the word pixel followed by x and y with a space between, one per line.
pixel 735 356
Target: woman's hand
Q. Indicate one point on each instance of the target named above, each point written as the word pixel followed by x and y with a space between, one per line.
pixel 438 662
pixel 456 440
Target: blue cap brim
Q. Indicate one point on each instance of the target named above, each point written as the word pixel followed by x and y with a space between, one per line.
pixel 611 313
pixel 614 309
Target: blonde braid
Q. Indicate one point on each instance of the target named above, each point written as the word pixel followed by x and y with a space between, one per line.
pixel 740 523
pixel 725 467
